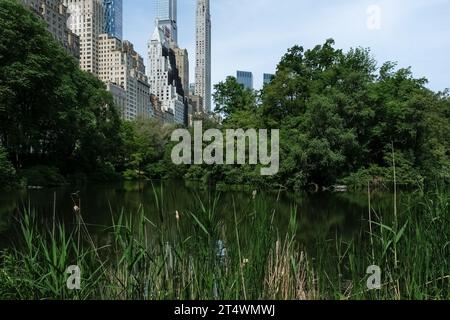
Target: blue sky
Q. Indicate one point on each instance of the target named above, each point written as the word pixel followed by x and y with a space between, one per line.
pixel 252 35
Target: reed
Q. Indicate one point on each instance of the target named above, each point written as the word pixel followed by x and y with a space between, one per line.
pixel 202 254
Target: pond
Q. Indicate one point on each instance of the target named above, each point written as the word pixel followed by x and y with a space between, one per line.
pixel 319 215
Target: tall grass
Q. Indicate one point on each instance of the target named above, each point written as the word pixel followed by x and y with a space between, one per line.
pixel 184 255
pixel 412 249
pixel 201 254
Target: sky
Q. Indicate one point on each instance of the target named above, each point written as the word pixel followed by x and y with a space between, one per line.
pixel 253 35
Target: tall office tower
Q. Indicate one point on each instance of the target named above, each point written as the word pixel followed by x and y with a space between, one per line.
pixel 165 82
pixel 182 61
pixel 87 20
pixel 203 53
pixel 166 17
pixel 123 71
pixel 245 78
pixel 268 77
pixel 113 18
pixel 55 14
pixel 191 89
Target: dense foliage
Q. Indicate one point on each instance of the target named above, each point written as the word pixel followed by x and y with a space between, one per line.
pixel 51 112
pixel 7 172
pixel 342 119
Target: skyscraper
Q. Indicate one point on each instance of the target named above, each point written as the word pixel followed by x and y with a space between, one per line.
pixel 166 17
pixel 55 14
pixel 267 78
pixel 113 18
pixel 182 63
pixel 163 76
pixel 245 78
pixel 87 20
pixel 123 71
pixel 203 53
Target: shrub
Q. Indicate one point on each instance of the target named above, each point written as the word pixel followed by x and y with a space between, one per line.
pixel 43 176
pixel 8 177
pixel 105 172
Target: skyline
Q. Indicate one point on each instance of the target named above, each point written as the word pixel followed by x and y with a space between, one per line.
pixel 412 34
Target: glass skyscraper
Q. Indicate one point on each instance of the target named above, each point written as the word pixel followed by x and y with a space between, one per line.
pixel 113 18
pixel 245 78
pixel 166 15
pixel 267 78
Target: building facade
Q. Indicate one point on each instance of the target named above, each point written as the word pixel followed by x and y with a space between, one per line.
pixel 192 89
pixel 197 104
pixel 245 78
pixel 120 97
pixel 56 15
pixel 87 20
pixel 162 72
pixel 267 78
pixel 203 53
pixel 120 66
pixel 113 18
pixel 166 17
pixel 182 62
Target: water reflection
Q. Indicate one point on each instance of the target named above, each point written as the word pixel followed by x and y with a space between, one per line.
pixel 319 215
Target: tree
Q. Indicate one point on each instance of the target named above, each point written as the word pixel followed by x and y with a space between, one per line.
pixel 144 147
pixel 8 176
pixel 230 97
pixel 51 113
pixel 339 116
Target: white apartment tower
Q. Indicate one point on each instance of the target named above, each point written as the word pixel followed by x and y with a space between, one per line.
pixel 163 77
pixel 122 69
pixel 203 53
pixel 87 20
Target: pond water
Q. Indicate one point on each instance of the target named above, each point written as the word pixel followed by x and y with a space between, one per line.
pixel 319 215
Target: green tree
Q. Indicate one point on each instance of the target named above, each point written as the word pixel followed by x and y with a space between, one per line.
pixel 51 112
pixel 339 116
pixel 8 176
pixel 144 146
pixel 231 97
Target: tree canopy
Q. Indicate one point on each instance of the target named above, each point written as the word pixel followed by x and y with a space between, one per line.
pixel 51 112
pixel 343 119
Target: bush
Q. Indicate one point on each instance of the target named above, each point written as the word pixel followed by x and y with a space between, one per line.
pixel 43 176
pixel 8 177
pixel 105 172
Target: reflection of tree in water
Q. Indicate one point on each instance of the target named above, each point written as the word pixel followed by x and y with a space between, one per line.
pixel 319 216
pixel 9 207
